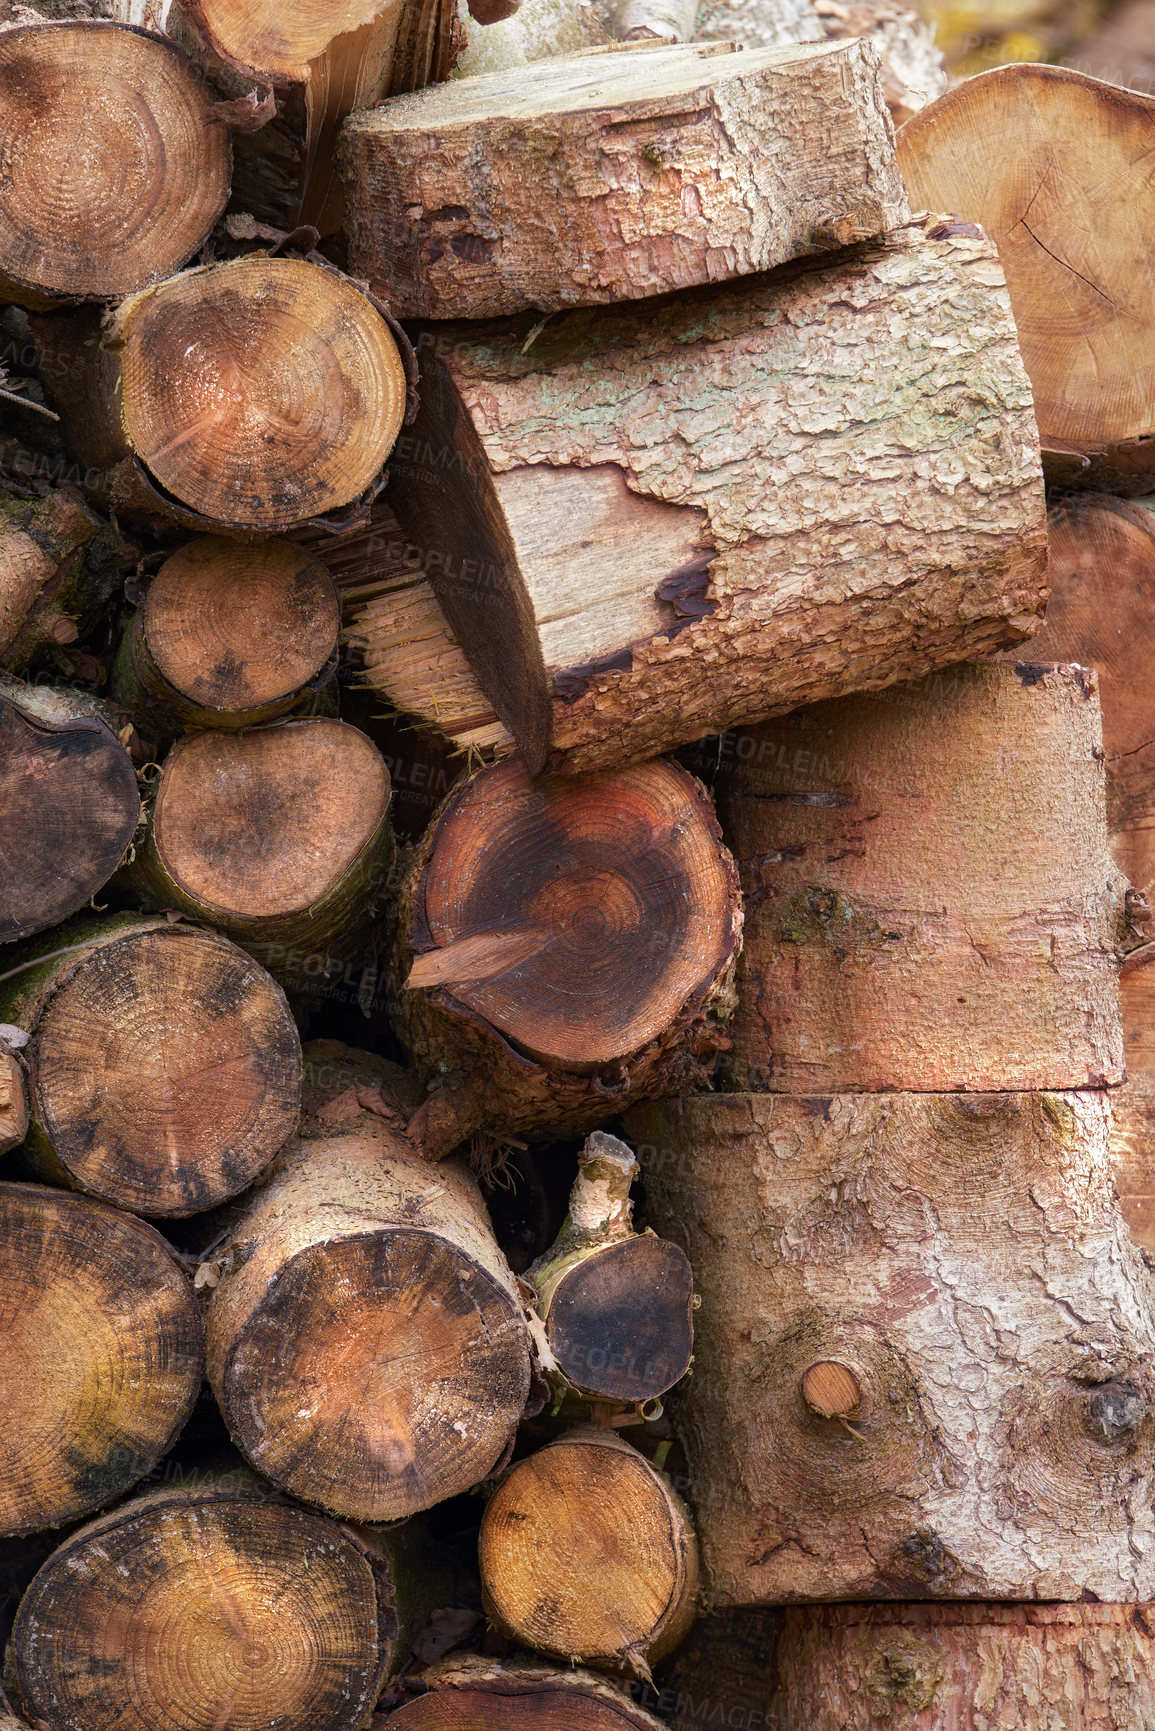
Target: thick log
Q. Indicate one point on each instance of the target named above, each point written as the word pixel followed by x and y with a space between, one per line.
pixel 100 1354
pixel 787 152
pixel 986 1667
pixel 932 903
pixel 116 165
pixel 257 394
pixel 987 150
pixel 366 1342
pixel 70 805
pixel 487 1696
pixel 164 1063
pixel 217 1602
pixel 889 522
pixel 616 1304
pixel 587 1553
pixel 229 634
pixel 564 946
pixel 924 1347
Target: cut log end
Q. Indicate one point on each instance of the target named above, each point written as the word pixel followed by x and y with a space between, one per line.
pixel 100 1355
pixel 831 1390
pixel 619 1323
pixel 474 1692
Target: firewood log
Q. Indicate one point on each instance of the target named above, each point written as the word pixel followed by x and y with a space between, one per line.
pixel 987 150
pixel 615 1303
pixel 450 217
pixel 486 1696
pixel 587 1553
pixel 933 1667
pixel 760 543
pixel 278 836
pixel 164 1063
pixel 116 166
pixel 13 1100
pixel 256 394
pixel 70 805
pixel 211 1603
pixel 42 540
pixel 564 946
pixel 924 1346
pixel 366 1342
pixel 229 634
pixel 100 1354
pixel 932 903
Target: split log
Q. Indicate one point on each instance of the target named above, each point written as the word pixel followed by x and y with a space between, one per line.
pixel 164 1063
pixel 763 545
pixel 616 1304
pixel 786 153
pixel 229 634
pixel 70 805
pixel 932 903
pixel 116 164
pixel 893 1401
pixel 564 946
pixel 213 1603
pixel 279 836
pixel 366 1342
pixel 1026 151
pixel 986 1667
pixel 486 1696
pixel 257 394
pixel 587 1553
pixel 100 1354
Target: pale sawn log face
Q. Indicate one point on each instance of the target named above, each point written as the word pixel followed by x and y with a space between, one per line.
pixel 116 167
pixel 203 1608
pixel 584 179
pixel 931 903
pixel 100 1354
pixel 965 1258
pixel 881 520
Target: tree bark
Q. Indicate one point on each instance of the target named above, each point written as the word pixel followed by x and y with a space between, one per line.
pixel 786 154
pixel 164 1063
pixel 538 30
pixel 228 635
pixel 100 1354
pixel 924 1346
pixel 210 1602
pixel 932 904
pixel 616 1304
pixel 761 23
pixel 42 542
pixel 712 600
pixel 913 73
pixel 564 946
pixel 934 1667
pixel 518 1697
pixel 1133 1105
pixel 987 151
pixel 366 1341
pixel 116 165
pixel 587 1553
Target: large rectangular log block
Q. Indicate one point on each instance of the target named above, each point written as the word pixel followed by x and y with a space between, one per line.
pixel 923 1354
pixel 611 176
pixel 648 522
pixel 931 903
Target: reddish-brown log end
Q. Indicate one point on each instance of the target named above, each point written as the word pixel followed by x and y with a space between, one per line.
pixel 831 1390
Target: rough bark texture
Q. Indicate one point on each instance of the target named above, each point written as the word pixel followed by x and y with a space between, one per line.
pixel 985 1667
pixel 761 23
pixel 1133 1105
pixel 964 1259
pixel 564 946
pixel 932 903
pixel 587 1553
pixel 605 177
pixel 913 73
pixel 164 1066
pixel 488 1696
pixel 70 806
pixel 538 30
pixel 798 485
pixel 366 1342
pixel 100 1355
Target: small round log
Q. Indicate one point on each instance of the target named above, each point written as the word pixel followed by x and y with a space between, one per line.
pixel 587 1553
pixel 42 541
pixel 100 1354
pixel 164 1064
pixel 486 1696
pixel 229 634
pixel 115 167
pixel 566 945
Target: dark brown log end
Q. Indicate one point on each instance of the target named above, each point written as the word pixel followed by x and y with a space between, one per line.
pixel 620 1323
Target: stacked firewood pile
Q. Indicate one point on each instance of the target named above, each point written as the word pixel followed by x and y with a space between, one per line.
pixel 517 710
